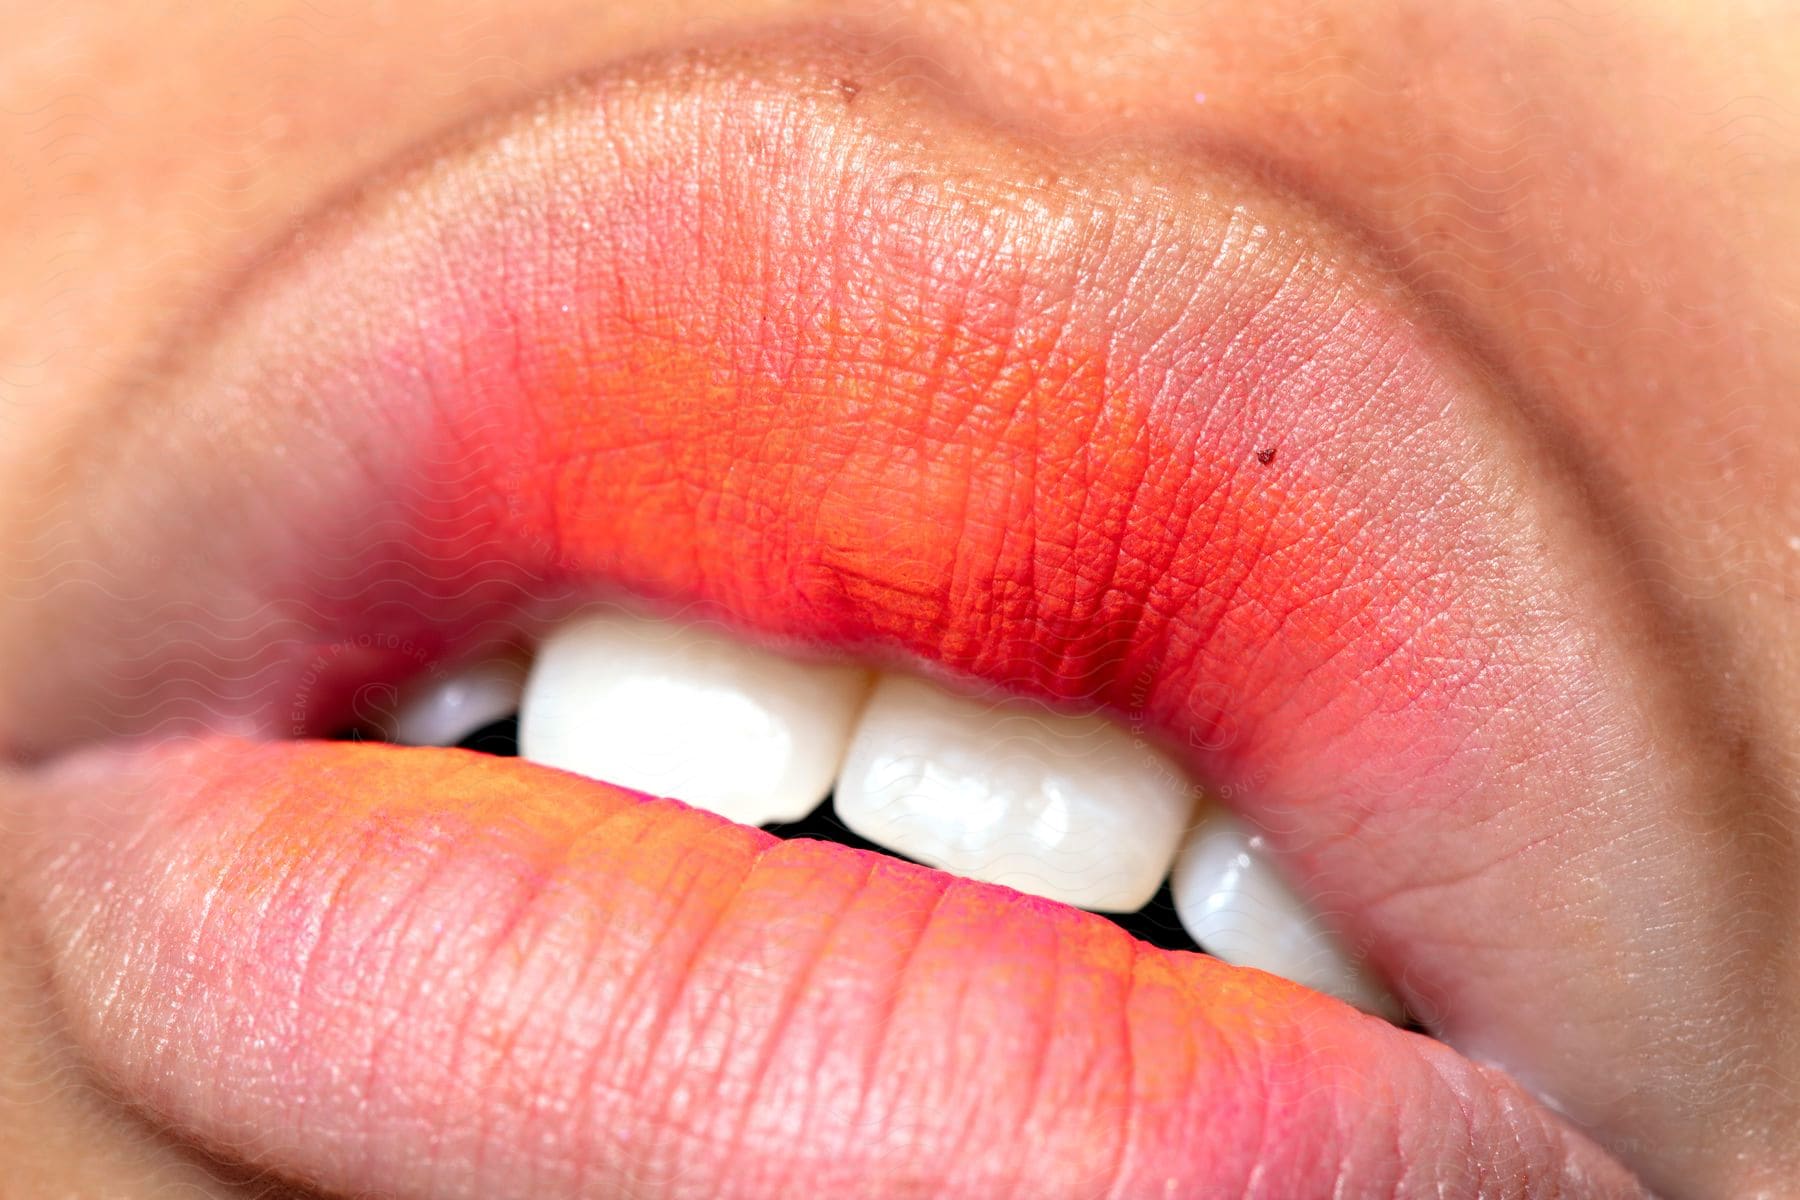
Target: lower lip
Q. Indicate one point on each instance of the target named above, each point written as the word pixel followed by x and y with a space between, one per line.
pixel 567 989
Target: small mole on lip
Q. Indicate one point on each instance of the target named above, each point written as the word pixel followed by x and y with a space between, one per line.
pixel 1265 457
pixel 849 89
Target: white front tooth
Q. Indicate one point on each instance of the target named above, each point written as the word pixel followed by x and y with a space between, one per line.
pixel 1231 900
pixel 438 709
pixel 685 712
pixel 1069 807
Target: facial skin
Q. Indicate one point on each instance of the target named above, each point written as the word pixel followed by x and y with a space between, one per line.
pixel 1594 218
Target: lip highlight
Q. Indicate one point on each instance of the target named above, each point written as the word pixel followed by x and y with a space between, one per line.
pixel 851 370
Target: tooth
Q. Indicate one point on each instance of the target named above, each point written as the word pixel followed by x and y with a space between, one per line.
pixel 1231 900
pixel 680 711
pixel 1069 807
pixel 441 710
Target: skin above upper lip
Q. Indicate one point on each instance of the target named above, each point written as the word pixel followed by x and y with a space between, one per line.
pixel 800 345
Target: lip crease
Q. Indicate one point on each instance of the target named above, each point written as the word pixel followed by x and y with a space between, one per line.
pixel 928 396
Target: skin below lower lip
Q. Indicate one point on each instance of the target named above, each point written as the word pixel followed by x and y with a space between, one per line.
pixel 315 952
pixel 896 405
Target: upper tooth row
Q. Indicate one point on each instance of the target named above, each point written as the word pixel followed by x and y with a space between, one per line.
pixel 1074 808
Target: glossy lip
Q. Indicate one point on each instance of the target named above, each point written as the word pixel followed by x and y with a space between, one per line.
pixel 921 394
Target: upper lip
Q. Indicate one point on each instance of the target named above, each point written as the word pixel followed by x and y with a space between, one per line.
pixel 768 333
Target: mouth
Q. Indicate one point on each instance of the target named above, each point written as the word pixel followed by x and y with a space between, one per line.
pixel 790 342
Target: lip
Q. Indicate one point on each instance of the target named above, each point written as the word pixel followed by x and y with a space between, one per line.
pixel 573 990
pixel 927 395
